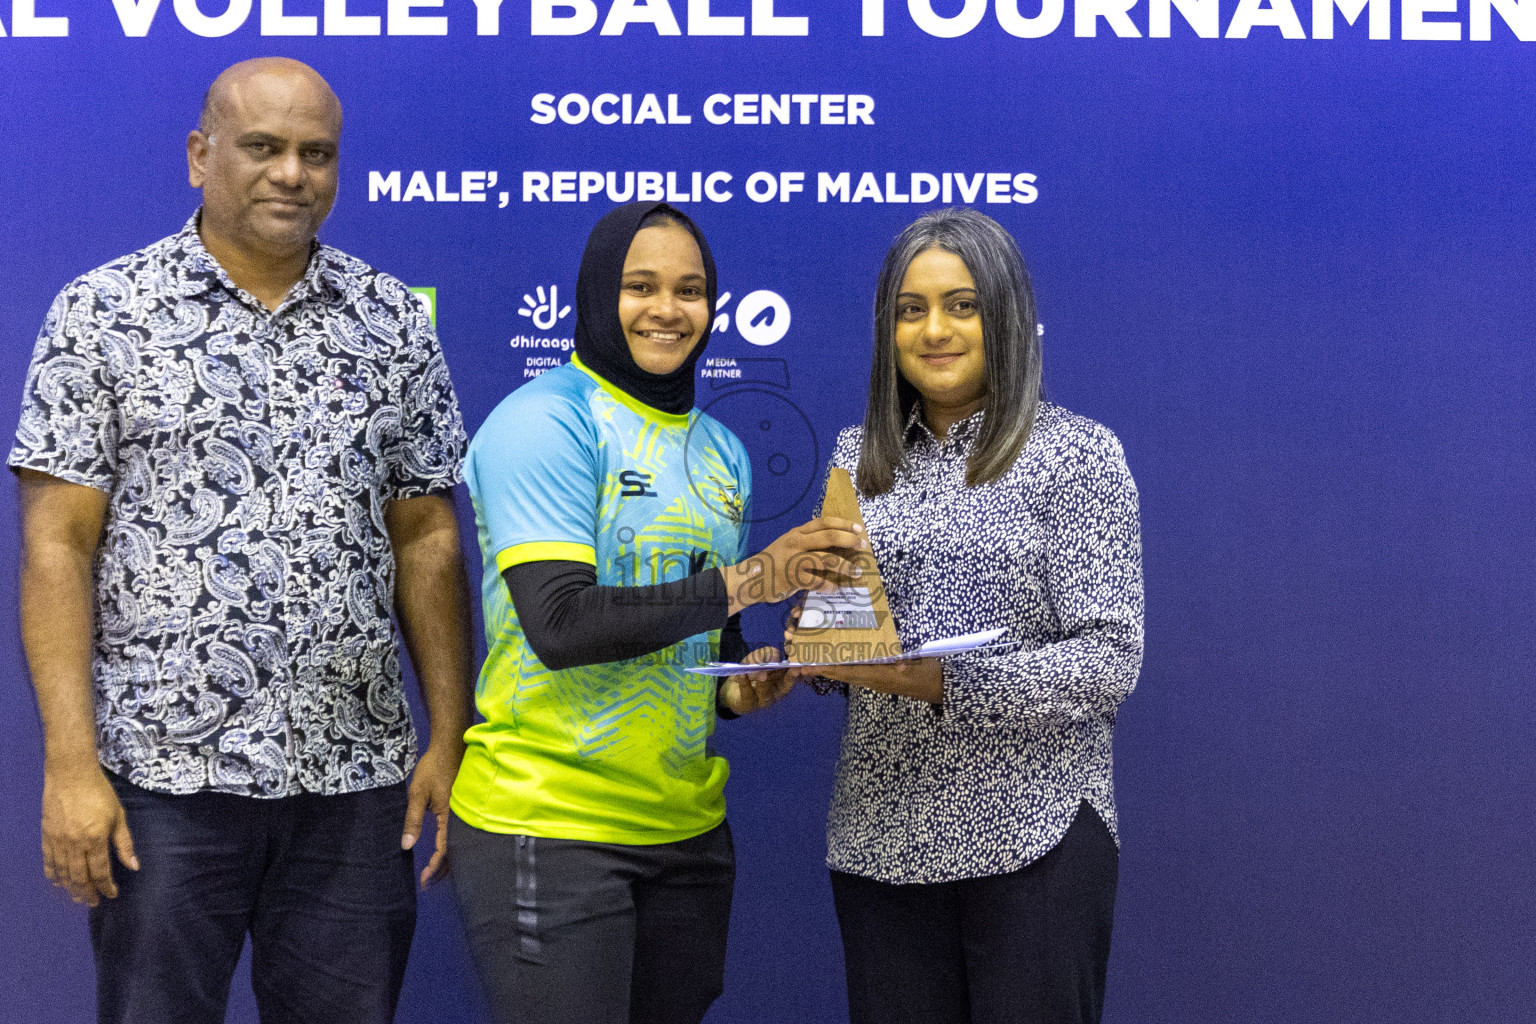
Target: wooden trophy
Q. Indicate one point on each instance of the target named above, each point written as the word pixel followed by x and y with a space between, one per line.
pixel 854 622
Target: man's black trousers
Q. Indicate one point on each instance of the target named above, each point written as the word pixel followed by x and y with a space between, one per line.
pixel 318 882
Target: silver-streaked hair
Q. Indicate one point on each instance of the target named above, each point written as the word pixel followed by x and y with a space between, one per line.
pixel 1010 337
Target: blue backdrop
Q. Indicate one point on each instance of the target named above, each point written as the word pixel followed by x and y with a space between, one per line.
pixel 1293 274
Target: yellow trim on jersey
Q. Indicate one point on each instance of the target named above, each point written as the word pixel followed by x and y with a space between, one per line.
pixel 545 551
pixel 628 401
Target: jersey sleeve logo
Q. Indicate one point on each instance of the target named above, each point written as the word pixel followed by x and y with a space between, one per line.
pixel 636 484
pixel 727 497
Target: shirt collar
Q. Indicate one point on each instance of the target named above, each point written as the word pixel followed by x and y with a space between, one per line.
pixel 206 271
pixel 960 431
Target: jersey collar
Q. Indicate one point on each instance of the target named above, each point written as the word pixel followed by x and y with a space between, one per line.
pixel 633 404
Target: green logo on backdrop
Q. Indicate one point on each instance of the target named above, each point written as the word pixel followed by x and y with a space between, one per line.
pixel 428 299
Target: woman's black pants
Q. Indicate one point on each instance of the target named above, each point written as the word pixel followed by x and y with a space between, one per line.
pixel 1030 946
pixel 565 931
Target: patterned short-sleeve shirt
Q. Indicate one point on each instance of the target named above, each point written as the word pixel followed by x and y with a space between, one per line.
pixel 244 579
pixel 1050 551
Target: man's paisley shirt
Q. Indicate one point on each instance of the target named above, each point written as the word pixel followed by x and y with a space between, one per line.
pixel 244 580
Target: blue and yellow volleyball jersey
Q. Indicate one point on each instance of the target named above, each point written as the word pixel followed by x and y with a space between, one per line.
pixel 568 467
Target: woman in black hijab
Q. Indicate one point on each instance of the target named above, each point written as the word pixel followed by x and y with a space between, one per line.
pixel 602 341
pixel 588 835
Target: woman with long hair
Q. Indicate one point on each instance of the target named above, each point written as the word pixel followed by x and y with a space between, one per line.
pixel 972 834
pixel 594 866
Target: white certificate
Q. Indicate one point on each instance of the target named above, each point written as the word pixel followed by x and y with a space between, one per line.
pixel 931 649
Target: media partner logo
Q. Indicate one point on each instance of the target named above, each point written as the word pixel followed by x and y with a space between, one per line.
pixel 545 312
pixel 762 317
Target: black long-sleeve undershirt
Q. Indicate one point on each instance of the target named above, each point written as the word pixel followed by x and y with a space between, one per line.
pixel 569 620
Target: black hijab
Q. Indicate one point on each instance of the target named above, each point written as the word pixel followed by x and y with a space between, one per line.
pixel 600 340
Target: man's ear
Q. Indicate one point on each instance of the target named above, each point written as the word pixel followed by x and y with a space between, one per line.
pixel 197 157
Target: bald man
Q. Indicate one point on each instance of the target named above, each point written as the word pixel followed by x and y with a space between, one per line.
pixel 236 450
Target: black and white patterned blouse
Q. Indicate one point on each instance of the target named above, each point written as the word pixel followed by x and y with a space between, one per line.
pixel 244 580
pixel 989 781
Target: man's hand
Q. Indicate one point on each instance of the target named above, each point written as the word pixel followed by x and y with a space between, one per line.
pixel 753 691
pixel 431 785
pixel 81 818
pixel 432 602
pixel 821 555
pixel 61 525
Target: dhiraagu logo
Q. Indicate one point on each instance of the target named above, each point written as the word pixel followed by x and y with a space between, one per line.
pixel 544 311
pixel 428 299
